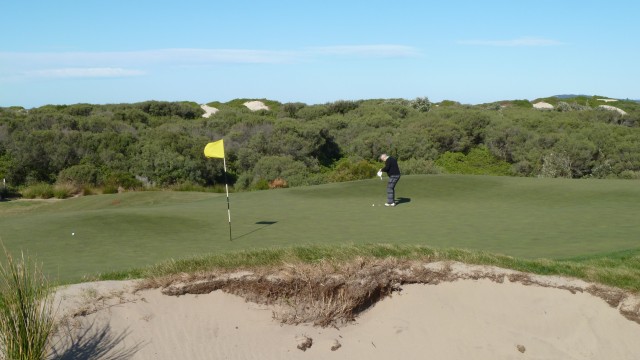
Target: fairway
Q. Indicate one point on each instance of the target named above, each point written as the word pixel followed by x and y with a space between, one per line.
pixel 522 217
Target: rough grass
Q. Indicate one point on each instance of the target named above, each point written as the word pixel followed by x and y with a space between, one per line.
pixel 620 270
pixel 26 309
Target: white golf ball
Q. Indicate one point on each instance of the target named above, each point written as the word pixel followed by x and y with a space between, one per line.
pixel 373 204
pixel 72 234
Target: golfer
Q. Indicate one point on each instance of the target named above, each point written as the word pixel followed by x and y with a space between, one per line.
pixel 392 169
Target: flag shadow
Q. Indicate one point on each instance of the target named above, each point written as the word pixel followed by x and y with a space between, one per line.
pixel 264 223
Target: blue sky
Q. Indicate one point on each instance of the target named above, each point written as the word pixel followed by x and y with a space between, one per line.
pixel 115 51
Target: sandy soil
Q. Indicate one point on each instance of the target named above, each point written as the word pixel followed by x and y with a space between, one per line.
pixel 256 105
pixel 463 312
pixel 613 108
pixel 208 110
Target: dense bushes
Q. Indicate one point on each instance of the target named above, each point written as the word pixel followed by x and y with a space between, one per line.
pixel 160 143
pixel 479 161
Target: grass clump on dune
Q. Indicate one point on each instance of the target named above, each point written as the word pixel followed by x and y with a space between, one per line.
pixel 329 286
pixel 26 309
pixel 621 270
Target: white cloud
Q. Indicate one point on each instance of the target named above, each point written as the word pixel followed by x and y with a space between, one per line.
pixel 198 56
pixel 367 50
pixel 108 64
pixel 102 72
pixel 150 57
pixel 524 41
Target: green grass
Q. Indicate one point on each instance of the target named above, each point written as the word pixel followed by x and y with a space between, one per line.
pixel 523 218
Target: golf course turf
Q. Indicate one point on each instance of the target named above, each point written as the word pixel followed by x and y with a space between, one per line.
pixel 522 217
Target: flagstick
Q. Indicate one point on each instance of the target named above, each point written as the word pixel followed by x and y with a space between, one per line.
pixel 226 186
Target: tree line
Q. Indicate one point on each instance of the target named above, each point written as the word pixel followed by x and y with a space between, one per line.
pixel 161 144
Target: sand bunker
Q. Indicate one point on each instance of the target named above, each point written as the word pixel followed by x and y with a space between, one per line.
pixel 368 309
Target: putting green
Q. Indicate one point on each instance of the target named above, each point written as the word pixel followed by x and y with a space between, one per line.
pixel 523 217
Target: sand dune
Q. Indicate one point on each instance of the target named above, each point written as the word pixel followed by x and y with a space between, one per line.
pixel 473 317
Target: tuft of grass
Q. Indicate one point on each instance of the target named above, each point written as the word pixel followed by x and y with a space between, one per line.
pixel 48 191
pixel 65 190
pixel 618 271
pixel 26 309
pixel 39 190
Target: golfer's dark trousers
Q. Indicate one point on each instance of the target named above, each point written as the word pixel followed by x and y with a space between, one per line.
pixel 391 188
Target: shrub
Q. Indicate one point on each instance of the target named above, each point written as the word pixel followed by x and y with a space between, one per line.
pixel 421 104
pixel 261 184
pixel 7 192
pixel 630 175
pixel 122 179
pixel 27 313
pixel 86 191
pixel 83 174
pixel 110 189
pixel 563 107
pixel 418 166
pixel 479 161
pixel 38 190
pixel 63 191
pixel 349 170
pixel 341 107
pixel 269 168
pixel 556 165
pixel 187 186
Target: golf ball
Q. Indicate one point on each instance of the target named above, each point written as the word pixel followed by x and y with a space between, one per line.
pixel 373 204
pixel 73 234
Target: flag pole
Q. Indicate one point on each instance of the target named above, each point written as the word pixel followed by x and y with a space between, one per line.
pixel 226 186
pixel 216 150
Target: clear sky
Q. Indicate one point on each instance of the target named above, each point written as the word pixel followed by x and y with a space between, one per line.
pixel 475 51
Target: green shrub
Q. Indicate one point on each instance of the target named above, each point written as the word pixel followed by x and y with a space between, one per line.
pixel 630 175
pixel 269 168
pixel 83 174
pixel 27 314
pixel 418 166
pixel 348 170
pixel 122 179
pixel 8 192
pixel 421 104
pixel 110 189
pixel 86 191
pixel 479 161
pixel 525 104
pixel 63 191
pixel 261 184
pixel 187 186
pixel 38 191
pixel 556 165
pixel 341 107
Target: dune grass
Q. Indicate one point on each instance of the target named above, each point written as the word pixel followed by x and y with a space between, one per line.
pixel 620 269
pixel 520 218
pixel 26 309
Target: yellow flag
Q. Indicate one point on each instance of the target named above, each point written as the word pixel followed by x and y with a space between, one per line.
pixel 214 149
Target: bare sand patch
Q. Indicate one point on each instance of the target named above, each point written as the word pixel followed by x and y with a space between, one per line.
pixel 208 110
pixel 613 108
pixel 255 105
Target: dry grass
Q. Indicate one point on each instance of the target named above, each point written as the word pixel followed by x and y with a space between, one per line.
pixel 333 293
